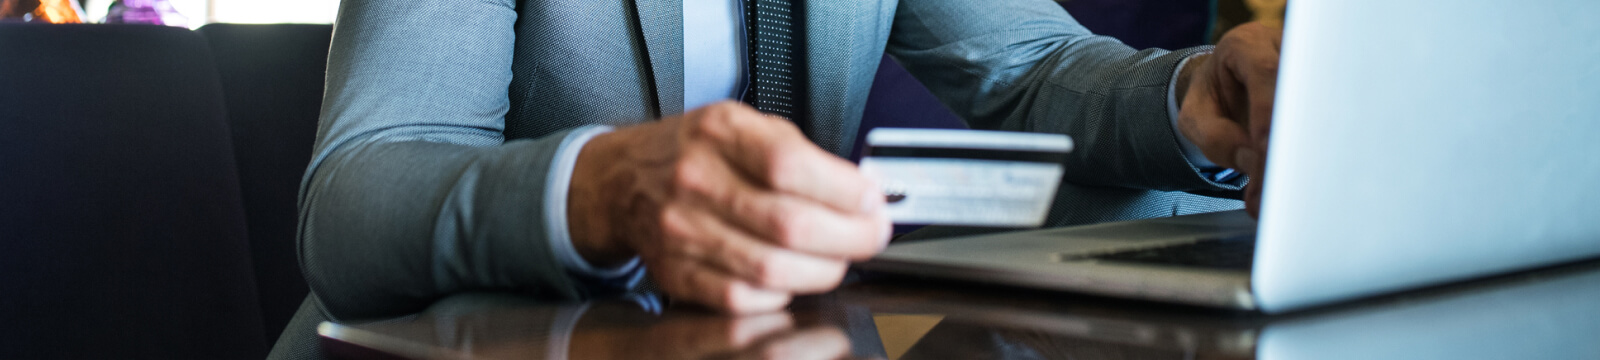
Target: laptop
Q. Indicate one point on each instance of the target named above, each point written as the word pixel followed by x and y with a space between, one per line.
pixel 1415 143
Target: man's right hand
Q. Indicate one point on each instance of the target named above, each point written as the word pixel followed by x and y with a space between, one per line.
pixel 726 206
pixel 1227 109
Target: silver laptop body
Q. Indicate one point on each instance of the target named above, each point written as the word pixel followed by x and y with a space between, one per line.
pixel 1415 143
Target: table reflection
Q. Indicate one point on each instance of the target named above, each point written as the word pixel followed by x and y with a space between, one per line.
pixel 697 335
pixel 496 326
pixel 1550 313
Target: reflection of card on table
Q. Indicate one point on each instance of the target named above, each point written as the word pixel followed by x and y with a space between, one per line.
pixel 966 177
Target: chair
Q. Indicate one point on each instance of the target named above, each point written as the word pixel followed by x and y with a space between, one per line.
pixel 122 233
pixel 272 78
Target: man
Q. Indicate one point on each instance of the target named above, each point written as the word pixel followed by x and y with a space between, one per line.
pixel 464 146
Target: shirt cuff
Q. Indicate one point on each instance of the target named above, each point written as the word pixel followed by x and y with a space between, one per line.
pixel 1190 151
pixel 566 158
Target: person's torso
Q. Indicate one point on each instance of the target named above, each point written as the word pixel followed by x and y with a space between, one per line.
pixel 620 62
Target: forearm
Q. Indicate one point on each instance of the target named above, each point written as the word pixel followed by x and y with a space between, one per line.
pixel 1027 66
pixel 1116 107
pixel 388 227
pixel 413 192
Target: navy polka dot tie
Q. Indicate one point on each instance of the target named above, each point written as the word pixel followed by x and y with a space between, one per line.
pixel 769 24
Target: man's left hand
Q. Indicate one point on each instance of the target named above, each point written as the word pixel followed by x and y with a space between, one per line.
pixel 1227 108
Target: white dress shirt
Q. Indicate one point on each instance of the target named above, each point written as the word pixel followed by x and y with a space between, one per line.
pixel 713 51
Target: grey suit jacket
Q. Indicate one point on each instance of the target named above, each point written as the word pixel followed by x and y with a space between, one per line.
pixel 441 117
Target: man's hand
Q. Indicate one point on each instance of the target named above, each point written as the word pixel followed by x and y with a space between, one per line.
pixel 726 206
pixel 1227 108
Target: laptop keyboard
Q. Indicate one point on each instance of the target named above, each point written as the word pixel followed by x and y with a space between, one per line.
pixel 1233 253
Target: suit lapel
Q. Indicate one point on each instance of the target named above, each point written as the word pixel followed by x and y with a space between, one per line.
pixel 661 24
pixel 844 41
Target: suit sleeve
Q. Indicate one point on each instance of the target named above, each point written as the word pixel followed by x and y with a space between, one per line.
pixel 1026 65
pixel 413 193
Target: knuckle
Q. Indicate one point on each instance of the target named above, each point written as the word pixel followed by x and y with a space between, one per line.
pixel 781 165
pixel 765 273
pixel 788 228
pixel 694 123
pixel 1268 63
pixel 1262 65
pixel 742 205
pixel 1212 144
pixel 724 113
pixel 675 228
pixel 711 122
pixel 1253 28
pixel 689 173
pixel 702 129
pixel 1229 39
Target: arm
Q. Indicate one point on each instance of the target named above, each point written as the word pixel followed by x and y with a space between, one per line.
pixel 412 193
pixel 1026 65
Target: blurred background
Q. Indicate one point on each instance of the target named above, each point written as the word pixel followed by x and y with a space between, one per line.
pixel 191 13
pixel 1224 14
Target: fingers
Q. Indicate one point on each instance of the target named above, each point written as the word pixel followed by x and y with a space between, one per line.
pixel 1253 53
pixel 782 219
pixel 1252 60
pixel 807 227
pixel 748 212
pixel 1258 72
pixel 774 153
pixel 1227 112
pixel 1205 123
pixel 703 237
pixel 694 282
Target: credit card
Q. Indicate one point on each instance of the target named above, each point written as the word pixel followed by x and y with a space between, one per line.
pixel 966 177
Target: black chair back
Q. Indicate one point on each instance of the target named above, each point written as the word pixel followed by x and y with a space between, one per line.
pixel 122 233
pixel 272 78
